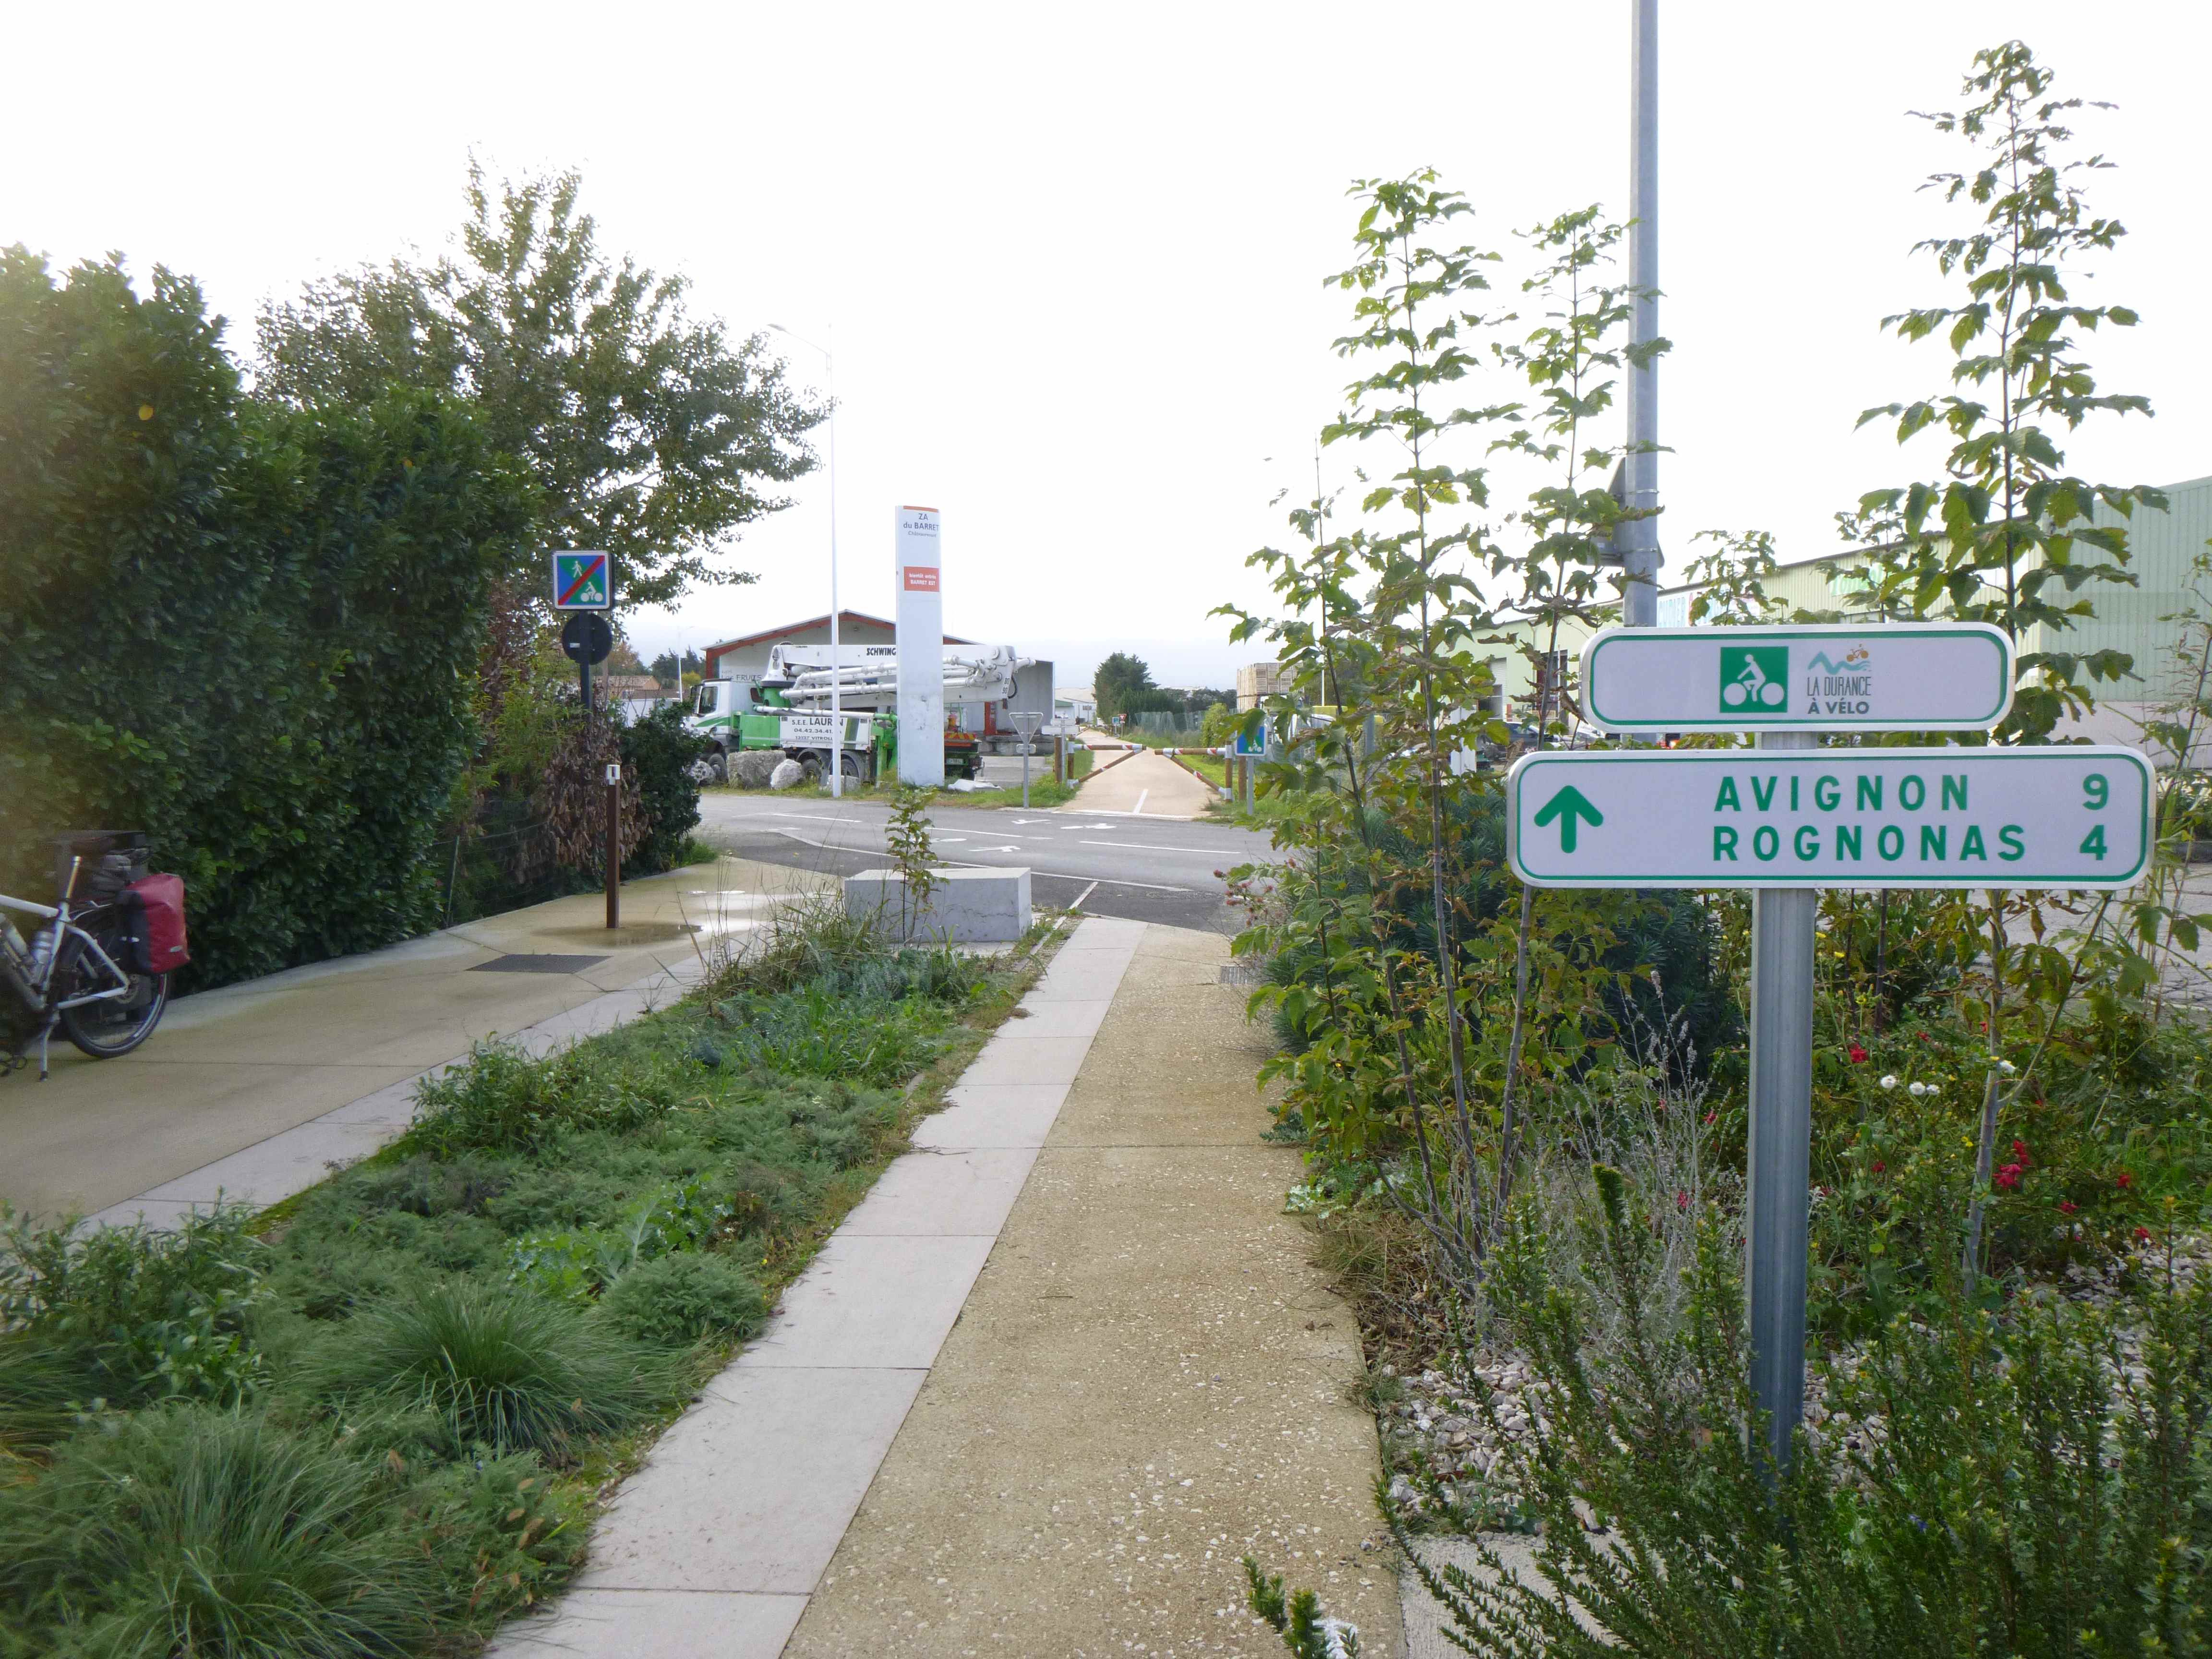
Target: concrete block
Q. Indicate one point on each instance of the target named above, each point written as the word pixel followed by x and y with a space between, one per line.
pixel 967 907
pixel 752 1488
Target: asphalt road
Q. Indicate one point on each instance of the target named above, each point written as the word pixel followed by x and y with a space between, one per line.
pixel 1107 864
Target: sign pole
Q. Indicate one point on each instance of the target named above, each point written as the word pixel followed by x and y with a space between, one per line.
pixel 1781 1149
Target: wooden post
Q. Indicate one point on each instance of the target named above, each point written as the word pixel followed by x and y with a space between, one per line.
pixel 614 843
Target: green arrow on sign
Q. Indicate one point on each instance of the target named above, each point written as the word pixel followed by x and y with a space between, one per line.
pixel 1568 804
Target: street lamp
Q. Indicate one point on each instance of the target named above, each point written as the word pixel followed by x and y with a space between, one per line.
pixel 836 704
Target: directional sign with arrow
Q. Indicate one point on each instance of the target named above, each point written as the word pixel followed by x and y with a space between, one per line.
pixel 2062 815
pixel 1567 807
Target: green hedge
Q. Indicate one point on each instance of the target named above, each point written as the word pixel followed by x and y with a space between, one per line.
pixel 247 631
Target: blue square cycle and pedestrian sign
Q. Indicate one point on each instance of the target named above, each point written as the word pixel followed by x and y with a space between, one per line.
pixel 583 581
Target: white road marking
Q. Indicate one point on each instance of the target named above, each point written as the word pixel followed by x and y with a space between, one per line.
pixel 1100 881
pixel 818 817
pixel 1147 846
pixel 1138 811
pixel 1083 895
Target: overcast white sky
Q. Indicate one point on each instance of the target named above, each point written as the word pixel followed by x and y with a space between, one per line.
pixel 1071 255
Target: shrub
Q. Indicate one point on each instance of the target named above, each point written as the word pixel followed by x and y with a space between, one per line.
pixel 681 1299
pixel 500 1100
pixel 2032 1478
pixel 190 1531
pixel 121 1315
pixel 317 577
pixel 508 1369
pixel 658 753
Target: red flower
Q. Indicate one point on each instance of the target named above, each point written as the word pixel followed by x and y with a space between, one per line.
pixel 2124 1179
pixel 2142 1235
pixel 2067 1206
pixel 1879 1166
pixel 1712 1117
pixel 2008 1177
pixel 2019 1150
pixel 1858 1054
pixel 1681 1200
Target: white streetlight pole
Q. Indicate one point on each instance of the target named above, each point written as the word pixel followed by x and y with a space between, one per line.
pixel 837 666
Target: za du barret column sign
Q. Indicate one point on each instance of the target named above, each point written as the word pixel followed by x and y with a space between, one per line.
pixel 920 647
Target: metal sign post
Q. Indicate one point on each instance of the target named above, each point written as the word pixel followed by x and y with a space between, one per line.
pixel 1788 818
pixel 1779 1156
pixel 584 585
pixel 1026 722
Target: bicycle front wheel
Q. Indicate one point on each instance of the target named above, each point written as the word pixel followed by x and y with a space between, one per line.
pixel 114 1025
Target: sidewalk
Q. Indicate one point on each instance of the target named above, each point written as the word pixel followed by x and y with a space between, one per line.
pixel 1148 784
pixel 254 1088
pixel 1063 1367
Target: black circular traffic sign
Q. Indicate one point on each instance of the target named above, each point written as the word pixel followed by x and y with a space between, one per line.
pixel 586 637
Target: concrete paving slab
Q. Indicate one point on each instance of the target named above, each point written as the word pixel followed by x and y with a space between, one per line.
pixel 872 1302
pixel 752 1488
pixel 1046 1060
pixel 275 1168
pixel 656 1625
pixel 1087 978
pixel 593 1018
pixel 393 1106
pixel 934 1194
pixel 1072 1017
pixel 1104 934
pixel 998 1114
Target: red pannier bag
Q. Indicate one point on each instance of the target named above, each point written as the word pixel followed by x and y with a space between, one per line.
pixel 156 907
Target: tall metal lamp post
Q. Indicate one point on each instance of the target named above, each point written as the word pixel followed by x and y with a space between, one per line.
pixel 837 666
pixel 1639 538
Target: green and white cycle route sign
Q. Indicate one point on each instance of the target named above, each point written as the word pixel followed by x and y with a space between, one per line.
pixel 1894 677
pixel 2072 816
pixel 583 580
pixel 1789 817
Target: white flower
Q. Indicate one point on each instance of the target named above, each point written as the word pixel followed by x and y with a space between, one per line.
pixel 1916 1088
pixel 1890 1081
pixel 2007 1067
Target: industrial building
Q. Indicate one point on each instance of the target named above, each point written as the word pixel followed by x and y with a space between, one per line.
pixel 2141 620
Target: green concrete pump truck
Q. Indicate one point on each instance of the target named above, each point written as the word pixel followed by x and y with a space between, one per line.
pixel 786 710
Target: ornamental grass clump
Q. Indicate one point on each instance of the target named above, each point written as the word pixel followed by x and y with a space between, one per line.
pixel 506 1368
pixel 189 1530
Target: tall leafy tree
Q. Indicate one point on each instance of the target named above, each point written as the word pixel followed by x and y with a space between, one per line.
pixel 1120 683
pixel 2005 535
pixel 649 432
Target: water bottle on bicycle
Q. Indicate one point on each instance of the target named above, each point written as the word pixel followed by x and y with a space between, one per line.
pixel 98 964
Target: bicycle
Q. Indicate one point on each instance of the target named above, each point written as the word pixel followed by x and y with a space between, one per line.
pixel 79 970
